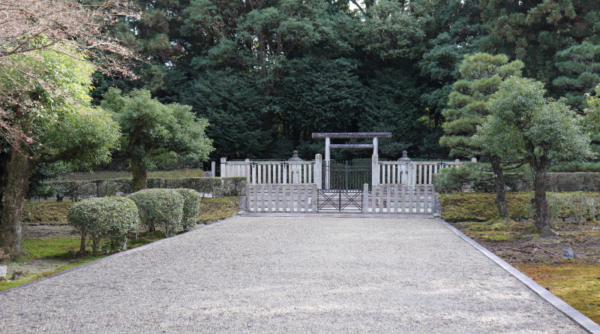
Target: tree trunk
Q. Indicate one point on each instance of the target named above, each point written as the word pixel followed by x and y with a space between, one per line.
pixel 541 218
pixel 17 185
pixel 140 174
pixel 500 189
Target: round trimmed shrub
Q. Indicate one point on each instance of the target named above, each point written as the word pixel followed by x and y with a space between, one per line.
pixel 104 217
pixel 159 207
pixel 191 206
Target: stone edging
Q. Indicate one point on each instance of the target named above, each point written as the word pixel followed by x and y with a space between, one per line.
pixel 340 215
pixel 7 291
pixel 583 321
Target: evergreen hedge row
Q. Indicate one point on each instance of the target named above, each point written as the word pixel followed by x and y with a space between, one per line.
pixel 217 186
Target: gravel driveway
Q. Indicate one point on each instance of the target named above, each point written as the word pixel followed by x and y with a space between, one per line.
pixel 289 275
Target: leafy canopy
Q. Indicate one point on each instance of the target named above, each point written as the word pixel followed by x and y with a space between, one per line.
pixel 147 125
pixel 532 126
pixel 481 74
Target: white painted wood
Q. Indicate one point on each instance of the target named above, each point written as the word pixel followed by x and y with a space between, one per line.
pixel 388 204
pixel 396 188
pixel 365 199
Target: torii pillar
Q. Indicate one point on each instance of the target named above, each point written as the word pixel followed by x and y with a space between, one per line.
pixel 348 135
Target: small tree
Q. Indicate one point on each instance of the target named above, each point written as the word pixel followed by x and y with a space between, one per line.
pixel 481 74
pixel 525 125
pixel 50 127
pixel 147 125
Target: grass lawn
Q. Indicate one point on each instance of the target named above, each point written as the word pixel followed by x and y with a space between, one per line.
pixel 576 281
pixel 55 249
pixel 174 174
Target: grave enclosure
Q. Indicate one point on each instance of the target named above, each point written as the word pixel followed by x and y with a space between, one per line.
pixel 322 185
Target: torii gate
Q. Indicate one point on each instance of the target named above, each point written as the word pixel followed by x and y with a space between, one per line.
pixel 348 135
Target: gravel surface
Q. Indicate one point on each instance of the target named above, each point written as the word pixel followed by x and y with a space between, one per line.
pixel 290 275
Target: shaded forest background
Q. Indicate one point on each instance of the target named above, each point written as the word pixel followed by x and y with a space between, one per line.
pixel 268 73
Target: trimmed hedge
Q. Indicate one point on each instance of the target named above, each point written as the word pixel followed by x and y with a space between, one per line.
pixel 111 217
pixel 452 180
pixel 191 206
pixel 472 207
pixel 159 206
pixel 219 187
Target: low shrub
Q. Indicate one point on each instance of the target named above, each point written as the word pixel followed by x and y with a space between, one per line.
pixel 191 206
pixel 159 207
pixel 105 217
pixel 472 207
pixel 478 176
pixel 217 186
pixel 579 206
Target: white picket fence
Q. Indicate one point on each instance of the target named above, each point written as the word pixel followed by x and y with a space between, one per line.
pixel 287 198
pixel 399 199
pixel 274 172
pixel 305 198
pixel 410 173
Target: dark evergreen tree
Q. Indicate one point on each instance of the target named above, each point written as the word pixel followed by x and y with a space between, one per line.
pixel 580 66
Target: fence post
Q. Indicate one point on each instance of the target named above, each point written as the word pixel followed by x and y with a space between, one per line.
pixel 319 171
pixel 375 171
pixel 223 164
pixel 365 207
pixel 315 197
pixel 327 163
pixel 412 175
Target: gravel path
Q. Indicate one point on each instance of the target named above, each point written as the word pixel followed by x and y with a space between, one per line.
pixel 290 275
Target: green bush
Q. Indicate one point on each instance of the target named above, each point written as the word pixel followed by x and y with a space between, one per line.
pixel 105 217
pixel 191 206
pixel 217 186
pixel 580 206
pixel 159 206
pixel 473 207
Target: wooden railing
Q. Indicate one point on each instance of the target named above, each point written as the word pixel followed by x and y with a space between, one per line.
pixel 286 198
pixel 409 173
pixel 397 198
pixel 274 172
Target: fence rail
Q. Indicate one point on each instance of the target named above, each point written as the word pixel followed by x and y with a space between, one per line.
pixel 328 174
pixel 397 198
pixel 306 198
pixel 292 198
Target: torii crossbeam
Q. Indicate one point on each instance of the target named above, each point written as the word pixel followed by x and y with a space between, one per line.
pixel 348 135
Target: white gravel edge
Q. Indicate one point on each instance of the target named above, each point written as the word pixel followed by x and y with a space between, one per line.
pixel 583 321
pixel 133 250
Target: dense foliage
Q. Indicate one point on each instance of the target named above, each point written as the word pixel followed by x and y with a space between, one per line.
pixel 148 126
pixel 55 127
pixel 159 207
pixel 266 74
pixel 527 126
pixel 191 206
pixel 104 217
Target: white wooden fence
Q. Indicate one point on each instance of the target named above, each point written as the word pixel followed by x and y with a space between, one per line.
pixel 397 198
pixel 410 173
pixel 274 172
pixel 290 198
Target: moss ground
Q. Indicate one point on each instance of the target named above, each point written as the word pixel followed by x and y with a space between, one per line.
pixel 578 285
pixel 575 281
pixel 215 209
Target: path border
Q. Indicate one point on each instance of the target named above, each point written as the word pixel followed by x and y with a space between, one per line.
pixel 341 215
pixel 578 317
pixel 116 255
